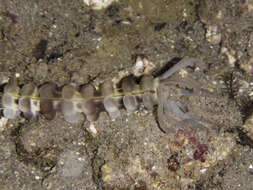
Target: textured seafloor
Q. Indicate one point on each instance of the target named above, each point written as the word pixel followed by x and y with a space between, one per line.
pixel 69 42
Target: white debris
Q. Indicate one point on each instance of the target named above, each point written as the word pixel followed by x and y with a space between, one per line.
pixel 92 129
pixel 98 4
pixel 202 171
pixel 17 75
pixel 139 67
pixel 142 66
pixel 183 73
pixel 230 55
pixel 37 177
pixel 213 34
pixel 3 122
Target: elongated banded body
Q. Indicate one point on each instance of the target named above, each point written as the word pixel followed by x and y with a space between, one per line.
pixel 170 93
pixel 73 101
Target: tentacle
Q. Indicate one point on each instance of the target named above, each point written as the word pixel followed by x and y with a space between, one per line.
pixel 185 62
pixel 172 114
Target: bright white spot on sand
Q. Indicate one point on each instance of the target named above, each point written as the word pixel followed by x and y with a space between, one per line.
pixel 98 4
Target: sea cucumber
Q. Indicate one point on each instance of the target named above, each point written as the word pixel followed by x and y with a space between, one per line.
pixel 73 101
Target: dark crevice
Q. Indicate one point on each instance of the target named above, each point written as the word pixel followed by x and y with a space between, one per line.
pixel 57 52
pixel 157 120
pixel 246 108
pixel 54 55
pixel 38 157
pixel 46 175
pixel 231 85
pixel 40 49
pixel 166 67
pixel 159 26
pixel 13 17
pixel 97 170
pixel 112 10
pixel 244 139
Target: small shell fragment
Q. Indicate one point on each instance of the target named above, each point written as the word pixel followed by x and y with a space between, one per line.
pixel 92 130
pixel 142 66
